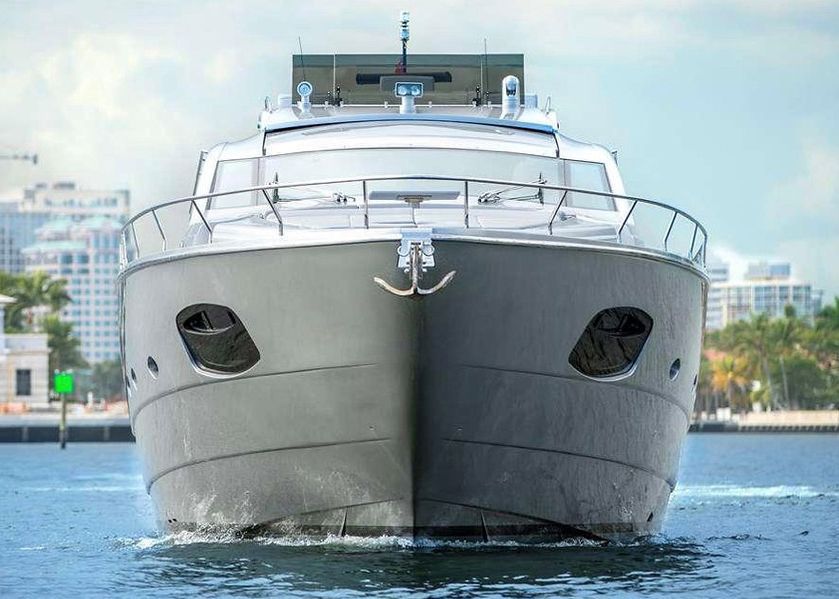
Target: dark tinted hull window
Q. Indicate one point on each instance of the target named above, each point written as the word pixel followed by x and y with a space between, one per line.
pixel 216 339
pixel 612 342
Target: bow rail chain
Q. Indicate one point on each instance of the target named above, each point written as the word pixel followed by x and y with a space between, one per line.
pixel 696 254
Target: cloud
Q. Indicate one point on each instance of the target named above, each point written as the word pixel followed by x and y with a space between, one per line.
pixel 814 191
pixel 737 262
pixel 223 66
pixel 104 110
pixel 815 260
pixel 799 215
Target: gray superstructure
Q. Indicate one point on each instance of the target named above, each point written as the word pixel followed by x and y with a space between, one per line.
pixel 422 320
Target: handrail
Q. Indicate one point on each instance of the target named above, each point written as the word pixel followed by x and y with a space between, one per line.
pixel 635 200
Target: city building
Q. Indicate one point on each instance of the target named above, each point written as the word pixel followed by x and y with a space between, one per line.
pixel 65 198
pixel 86 255
pixel 21 217
pixel 17 230
pixel 768 271
pixel 767 288
pixel 718 272
pixel 24 364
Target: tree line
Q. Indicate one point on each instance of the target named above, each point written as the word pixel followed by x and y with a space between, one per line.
pixel 39 300
pixel 779 363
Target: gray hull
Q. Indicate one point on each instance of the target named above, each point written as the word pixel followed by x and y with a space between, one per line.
pixel 453 415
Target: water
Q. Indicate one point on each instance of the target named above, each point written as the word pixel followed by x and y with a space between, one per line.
pixel 753 516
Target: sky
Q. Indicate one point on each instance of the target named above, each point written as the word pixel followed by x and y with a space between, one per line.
pixel 727 109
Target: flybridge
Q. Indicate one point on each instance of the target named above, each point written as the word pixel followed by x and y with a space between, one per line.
pixel 459 79
pixel 346 86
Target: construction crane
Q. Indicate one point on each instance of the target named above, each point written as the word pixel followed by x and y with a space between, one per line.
pixel 26 157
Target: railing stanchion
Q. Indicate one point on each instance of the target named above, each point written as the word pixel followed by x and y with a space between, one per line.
pixel 136 242
pixel 123 249
pixel 159 228
pixel 275 211
pixel 670 229
pixel 466 202
pixel 556 211
pixel 366 204
pixel 204 220
pixel 625 220
pixel 693 241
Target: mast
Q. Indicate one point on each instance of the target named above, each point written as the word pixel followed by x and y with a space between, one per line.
pixel 404 35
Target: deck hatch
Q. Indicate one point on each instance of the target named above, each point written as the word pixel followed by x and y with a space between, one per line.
pixel 611 342
pixel 216 339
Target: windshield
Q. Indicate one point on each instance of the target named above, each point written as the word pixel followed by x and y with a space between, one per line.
pixel 373 162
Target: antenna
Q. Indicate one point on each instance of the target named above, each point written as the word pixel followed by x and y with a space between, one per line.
pixel 302 64
pixel 404 35
pixel 485 71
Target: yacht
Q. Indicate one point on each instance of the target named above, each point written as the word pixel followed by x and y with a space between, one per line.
pixel 409 305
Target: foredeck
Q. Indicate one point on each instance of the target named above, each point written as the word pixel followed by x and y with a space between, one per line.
pixel 396 202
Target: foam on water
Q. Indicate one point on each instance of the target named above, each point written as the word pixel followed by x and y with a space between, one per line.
pixel 84 489
pixel 334 541
pixel 802 492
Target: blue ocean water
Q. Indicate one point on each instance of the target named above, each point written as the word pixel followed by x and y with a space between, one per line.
pixel 754 515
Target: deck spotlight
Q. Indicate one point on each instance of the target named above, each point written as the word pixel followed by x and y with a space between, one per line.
pixel 305 89
pixel 408 91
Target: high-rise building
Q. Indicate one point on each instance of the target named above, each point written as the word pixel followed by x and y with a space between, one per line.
pixel 86 255
pixel 65 198
pixel 17 230
pixel 718 272
pixel 767 288
pixel 21 217
pixel 768 271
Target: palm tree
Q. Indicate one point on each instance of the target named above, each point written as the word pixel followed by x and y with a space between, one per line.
pixel 729 373
pixel 787 334
pixel 754 340
pixel 828 318
pixel 30 292
pixel 64 347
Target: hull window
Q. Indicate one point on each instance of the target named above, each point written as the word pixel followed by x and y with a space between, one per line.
pixel 674 369
pixel 216 339
pixel 612 341
pixel 153 368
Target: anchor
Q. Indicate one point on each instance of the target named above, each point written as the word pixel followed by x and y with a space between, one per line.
pixel 416 255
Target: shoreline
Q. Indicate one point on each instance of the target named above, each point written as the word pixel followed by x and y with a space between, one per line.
pixel 780 421
pixel 81 428
pixel 103 427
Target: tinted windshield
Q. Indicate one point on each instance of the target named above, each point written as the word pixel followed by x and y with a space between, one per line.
pixel 456 163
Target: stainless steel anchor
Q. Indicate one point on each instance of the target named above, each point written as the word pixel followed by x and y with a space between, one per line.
pixel 416 256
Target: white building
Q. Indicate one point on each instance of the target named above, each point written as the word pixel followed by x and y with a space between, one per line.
pixel 24 364
pixel 21 217
pixel 767 288
pixel 86 255
pixel 65 198
pixel 718 273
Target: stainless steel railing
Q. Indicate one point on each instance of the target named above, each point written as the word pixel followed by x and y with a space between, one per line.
pixel 696 252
